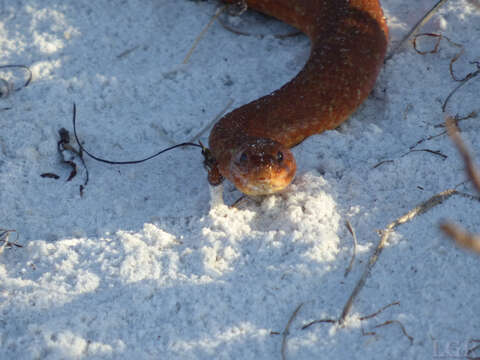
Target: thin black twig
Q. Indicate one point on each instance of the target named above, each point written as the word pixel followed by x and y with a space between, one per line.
pixel 320 321
pixel 434 152
pixel 354 250
pixel 462 83
pixel 381 163
pixel 379 311
pixel 127 52
pixel 128 162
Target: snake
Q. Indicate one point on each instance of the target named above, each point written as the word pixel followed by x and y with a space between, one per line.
pixel 251 145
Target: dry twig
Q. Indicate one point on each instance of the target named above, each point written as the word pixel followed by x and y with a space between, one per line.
pixel 389 322
pixel 435 50
pixel 354 252
pixel 462 237
pixel 320 321
pixel 285 332
pixel 472 350
pixel 202 33
pixel 418 210
pixel 471 169
pixel 127 52
pixel 379 311
pixel 4 234
pixel 434 152
pixel 10 87
pixel 381 163
pixel 415 28
pixel 467 78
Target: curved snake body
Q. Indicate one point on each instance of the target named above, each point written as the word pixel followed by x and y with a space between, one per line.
pixel 251 144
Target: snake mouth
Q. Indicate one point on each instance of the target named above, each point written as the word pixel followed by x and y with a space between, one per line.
pixel 266 187
pixel 260 167
pixel 264 178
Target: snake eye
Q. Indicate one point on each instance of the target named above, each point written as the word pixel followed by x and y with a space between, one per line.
pixel 279 156
pixel 243 157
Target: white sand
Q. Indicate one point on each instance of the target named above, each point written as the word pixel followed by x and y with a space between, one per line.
pixel 140 267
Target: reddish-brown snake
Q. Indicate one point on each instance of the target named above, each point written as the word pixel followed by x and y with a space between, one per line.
pixel 250 145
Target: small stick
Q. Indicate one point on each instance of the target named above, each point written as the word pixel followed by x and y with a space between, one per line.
pixel 354 252
pixel 26 68
pixel 5 242
pixel 416 27
pixel 285 332
pixel 334 321
pixel 431 137
pixel 468 196
pixel 50 176
pixel 470 351
pixel 463 82
pixel 472 115
pixel 330 321
pixel 462 237
pixel 127 52
pixel 389 322
pixel 381 163
pixel 379 311
pixel 4 234
pixel 418 210
pixel 471 169
pixel 202 33
pixel 426 150
pixel 435 50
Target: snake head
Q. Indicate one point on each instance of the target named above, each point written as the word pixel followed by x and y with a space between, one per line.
pixel 262 167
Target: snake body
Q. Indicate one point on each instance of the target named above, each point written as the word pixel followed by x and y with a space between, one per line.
pixel 250 145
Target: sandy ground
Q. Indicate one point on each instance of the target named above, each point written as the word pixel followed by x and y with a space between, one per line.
pixel 142 266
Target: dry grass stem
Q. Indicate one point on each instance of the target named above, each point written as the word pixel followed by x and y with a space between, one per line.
pixel 418 210
pixel 415 28
pixel 471 169
pixel 287 328
pixel 202 33
pixel 390 322
pixel 462 237
pixel 354 251
pixel 379 311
